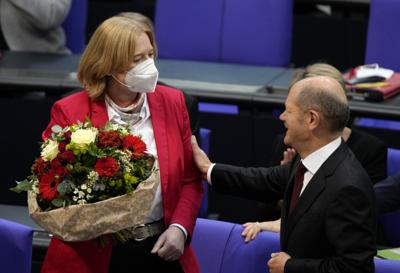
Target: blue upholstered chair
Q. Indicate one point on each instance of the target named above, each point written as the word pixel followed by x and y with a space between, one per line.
pixel 249 257
pixel 215 233
pixel 383 41
pixel 255 32
pixel 189 30
pixel 229 253
pixel 75 26
pixel 15 247
pixel 205 135
pixel 378 123
pixel 391 221
pixel 393 161
pixel 387 266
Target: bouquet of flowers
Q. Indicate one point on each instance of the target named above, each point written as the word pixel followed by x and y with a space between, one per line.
pixel 89 182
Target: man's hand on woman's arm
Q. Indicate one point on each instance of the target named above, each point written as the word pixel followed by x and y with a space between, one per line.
pixel 202 161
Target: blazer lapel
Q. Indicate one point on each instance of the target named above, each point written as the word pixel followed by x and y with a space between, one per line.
pixel 98 112
pixel 160 135
pixel 310 193
pixel 285 207
pixel 306 199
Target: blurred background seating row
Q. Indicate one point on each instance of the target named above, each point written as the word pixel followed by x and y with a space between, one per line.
pixel 255 32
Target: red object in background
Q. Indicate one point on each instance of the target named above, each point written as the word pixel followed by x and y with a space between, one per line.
pixel 388 88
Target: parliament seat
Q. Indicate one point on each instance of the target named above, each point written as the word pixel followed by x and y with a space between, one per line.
pixel 205 135
pixel 253 32
pixel 383 39
pixel 220 248
pixel 74 26
pixel 15 247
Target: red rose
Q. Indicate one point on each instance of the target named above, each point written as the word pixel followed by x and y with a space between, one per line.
pixel 109 139
pixel 58 168
pixel 67 156
pixel 106 166
pixel 135 145
pixel 48 186
pixel 67 135
pixel 61 146
pixel 39 167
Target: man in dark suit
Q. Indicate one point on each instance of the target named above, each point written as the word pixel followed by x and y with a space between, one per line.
pixel 328 214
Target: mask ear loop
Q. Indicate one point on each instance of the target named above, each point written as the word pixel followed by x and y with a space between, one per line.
pixel 124 84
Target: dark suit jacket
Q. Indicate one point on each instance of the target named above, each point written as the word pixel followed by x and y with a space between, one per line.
pixel 332 228
pixel 368 149
pixel 387 194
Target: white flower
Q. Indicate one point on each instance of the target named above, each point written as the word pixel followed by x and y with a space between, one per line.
pixel 89 190
pixel 83 187
pixel 119 128
pixel 50 150
pixel 35 186
pixel 82 202
pixel 75 198
pixel 93 176
pixel 83 137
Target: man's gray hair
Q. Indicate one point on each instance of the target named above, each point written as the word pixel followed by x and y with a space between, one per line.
pixel 335 110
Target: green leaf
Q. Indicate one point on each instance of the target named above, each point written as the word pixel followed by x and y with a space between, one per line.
pixel 88 121
pixel 21 186
pixel 56 129
pixel 65 187
pixel 58 202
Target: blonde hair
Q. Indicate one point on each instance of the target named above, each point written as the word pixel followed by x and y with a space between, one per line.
pixel 144 22
pixel 318 69
pixel 111 49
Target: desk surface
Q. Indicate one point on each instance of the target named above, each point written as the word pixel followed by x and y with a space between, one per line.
pixel 276 93
pixel 261 86
pixel 217 80
pixel 57 73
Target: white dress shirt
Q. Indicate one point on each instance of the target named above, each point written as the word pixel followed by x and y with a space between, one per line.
pixel 142 126
pixel 315 160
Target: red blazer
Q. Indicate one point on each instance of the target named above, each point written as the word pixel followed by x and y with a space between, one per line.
pixel 181 188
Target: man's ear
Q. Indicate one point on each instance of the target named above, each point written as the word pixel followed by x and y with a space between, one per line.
pixel 314 119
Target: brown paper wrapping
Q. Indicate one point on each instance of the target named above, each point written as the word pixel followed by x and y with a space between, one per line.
pixel 85 222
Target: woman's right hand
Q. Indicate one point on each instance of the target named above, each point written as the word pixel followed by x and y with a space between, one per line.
pixel 250 231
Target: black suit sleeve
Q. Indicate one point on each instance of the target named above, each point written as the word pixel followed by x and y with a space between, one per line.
pixel 371 152
pixel 387 194
pixel 262 184
pixel 349 231
pixel 375 163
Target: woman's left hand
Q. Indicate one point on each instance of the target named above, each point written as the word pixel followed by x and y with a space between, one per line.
pixel 170 244
pixel 250 231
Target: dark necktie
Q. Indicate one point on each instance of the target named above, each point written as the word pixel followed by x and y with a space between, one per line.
pixel 298 184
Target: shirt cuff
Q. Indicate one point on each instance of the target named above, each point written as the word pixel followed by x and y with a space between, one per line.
pixel 209 173
pixel 182 229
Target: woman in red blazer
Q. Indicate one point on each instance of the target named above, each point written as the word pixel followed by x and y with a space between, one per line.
pixel 119 75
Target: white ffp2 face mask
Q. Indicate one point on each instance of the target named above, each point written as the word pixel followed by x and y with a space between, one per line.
pixel 142 78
